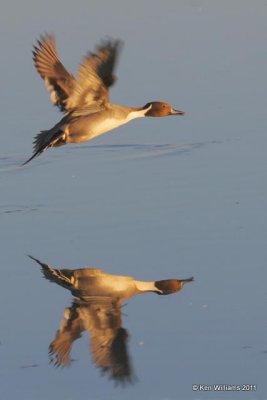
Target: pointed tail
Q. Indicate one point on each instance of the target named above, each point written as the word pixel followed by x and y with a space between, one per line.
pixel 37 153
pixel 62 277
pixel 46 139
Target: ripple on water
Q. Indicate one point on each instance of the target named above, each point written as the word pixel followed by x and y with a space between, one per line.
pixel 135 150
pixel 13 209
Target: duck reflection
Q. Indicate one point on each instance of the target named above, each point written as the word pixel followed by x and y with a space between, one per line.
pixel 97 309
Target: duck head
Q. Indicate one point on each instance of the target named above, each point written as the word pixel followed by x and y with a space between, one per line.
pixel 160 109
pixel 169 286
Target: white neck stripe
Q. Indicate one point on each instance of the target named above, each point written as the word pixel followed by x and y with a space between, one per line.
pixel 138 114
pixel 146 286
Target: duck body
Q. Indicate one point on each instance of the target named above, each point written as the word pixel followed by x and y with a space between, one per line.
pixel 85 100
pixel 87 283
pixel 93 124
pixel 93 282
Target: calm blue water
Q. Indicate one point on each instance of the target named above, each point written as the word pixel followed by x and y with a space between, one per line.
pixel 158 198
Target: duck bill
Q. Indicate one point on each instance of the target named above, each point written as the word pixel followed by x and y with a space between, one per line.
pixel 191 279
pixel 176 112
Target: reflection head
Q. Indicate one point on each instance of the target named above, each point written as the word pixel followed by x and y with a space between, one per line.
pixel 170 286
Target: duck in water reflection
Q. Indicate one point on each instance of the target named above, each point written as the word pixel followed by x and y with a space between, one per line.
pixel 97 309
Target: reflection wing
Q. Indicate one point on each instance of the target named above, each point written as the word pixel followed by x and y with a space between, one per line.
pixel 71 328
pixel 108 339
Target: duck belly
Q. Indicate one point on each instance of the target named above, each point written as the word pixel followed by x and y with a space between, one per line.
pixel 87 128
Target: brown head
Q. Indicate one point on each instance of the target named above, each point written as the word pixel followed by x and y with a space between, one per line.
pixel 169 286
pixel 160 109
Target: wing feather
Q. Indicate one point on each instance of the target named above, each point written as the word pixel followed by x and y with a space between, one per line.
pixel 58 80
pixel 95 76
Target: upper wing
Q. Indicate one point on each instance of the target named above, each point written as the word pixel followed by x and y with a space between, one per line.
pixel 95 76
pixel 58 80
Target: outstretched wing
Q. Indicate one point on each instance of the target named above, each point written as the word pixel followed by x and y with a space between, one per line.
pixel 95 76
pixel 109 340
pixel 102 319
pixel 58 80
pixel 71 328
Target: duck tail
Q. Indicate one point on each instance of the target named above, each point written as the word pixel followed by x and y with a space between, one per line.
pixel 45 139
pixel 62 277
